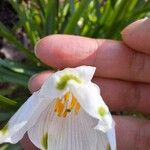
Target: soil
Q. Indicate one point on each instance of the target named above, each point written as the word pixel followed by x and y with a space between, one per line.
pixel 8 16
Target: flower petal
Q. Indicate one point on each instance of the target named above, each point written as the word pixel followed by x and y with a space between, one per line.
pixel 38 134
pixel 89 98
pixel 56 85
pixel 112 138
pixel 74 132
pixel 49 87
pixel 23 119
pixel 102 141
pixel 85 72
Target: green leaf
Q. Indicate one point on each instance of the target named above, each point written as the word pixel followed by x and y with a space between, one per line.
pixel 72 7
pixel 13 77
pixel 19 67
pixel 4 32
pixel 7 103
pixel 10 147
pixel 51 16
pixel 113 2
pixel 4 116
pixel 64 17
pixel 71 26
pixel 4 147
pixel 27 19
pixel 41 4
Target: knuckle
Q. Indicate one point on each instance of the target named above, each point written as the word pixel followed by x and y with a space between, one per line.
pixel 138 137
pixel 142 137
pixel 133 96
pixel 137 64
pixel 137 96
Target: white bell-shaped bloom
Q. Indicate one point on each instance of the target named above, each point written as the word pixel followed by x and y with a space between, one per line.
pixel 67 113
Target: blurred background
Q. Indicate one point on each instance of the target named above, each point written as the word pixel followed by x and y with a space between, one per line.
pixel 24 22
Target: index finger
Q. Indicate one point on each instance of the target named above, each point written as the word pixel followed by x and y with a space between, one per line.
pixel 111 58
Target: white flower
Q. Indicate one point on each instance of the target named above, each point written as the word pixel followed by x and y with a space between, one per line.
pixel 67 113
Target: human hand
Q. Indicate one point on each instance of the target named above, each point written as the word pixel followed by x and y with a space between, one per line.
pixel 123 74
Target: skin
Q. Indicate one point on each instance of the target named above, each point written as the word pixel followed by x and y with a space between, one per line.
pixel 123 74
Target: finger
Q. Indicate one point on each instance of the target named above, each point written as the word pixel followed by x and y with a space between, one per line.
pixel 111 58
pixel 37 80
pixel 119 95
pixel 132 133
pixel 137 35
pixel 26 144
pixel 125 96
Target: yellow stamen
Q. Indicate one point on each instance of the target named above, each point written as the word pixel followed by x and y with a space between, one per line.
pixel 59 107
pixel 65 114
pixel 73 102
pixel 77 107
pixel 66 97
pixel 63 106
pixel 58 100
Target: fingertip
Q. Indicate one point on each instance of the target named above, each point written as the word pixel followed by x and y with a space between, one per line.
pixel 26 144
pixel 62 51
pixel 136 35
pixel 37 80
pixel 30 83
pixel 46 49
pixel 131 26
pixel 40 45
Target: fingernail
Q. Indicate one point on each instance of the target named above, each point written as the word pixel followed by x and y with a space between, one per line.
pixel 30 82
pixel 35 49
pixel 141 20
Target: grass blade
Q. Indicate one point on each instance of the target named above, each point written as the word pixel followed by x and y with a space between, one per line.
pixel 51 16
pixel 71 26
pixel 41 4
pixel 13 77
pixel 4 32
pixel 72 7
pixel 7 103
pixel 19 67
pixel 4 116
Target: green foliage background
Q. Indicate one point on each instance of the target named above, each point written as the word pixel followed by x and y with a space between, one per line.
pixel 39 18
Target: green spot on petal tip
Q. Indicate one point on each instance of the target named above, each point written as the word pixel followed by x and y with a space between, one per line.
pixel 108 147
pixel 44 141
pixel 102 111
pixel 64 79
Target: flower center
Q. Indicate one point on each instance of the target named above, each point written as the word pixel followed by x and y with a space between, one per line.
pixel 63 106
